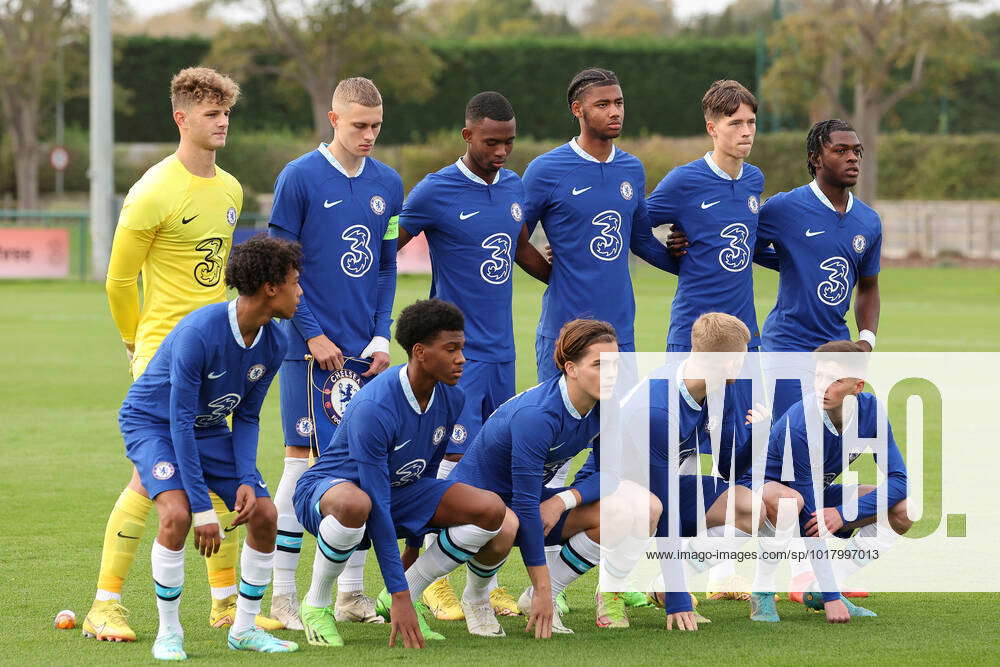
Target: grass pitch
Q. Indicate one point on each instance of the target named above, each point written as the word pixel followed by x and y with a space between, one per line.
pixel 63 465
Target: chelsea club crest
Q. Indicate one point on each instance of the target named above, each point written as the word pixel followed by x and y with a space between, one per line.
pixel 859 243
pixel 626 190
pixel 256 372
pixel 378 205
pixel 753 204
pixel 338 390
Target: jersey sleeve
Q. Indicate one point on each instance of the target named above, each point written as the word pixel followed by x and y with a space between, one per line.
pixel 531 436
pixel 894 469
pixel 368 441
pixel 419 212
pixel 288 210
pixel 872 259
pixel 385 287
pixel 538 185
pixel 589 486
pixel 246 420
pixel 186 365
pixel 128 252
pixel 642 242
pixel 664 204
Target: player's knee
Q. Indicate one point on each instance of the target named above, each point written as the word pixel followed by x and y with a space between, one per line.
pixel 175 516
pixel 347 503
pixel 655 511
pixel 265 514
pixel 898 518
pixel 490 511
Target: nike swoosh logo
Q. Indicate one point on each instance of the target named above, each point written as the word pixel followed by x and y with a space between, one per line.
pixel 464 216
pixel 812 233
pixel 551 449
pixel 229 529
pixel 262 484
pixel 704 205
pixel 403 445
pixel 329 204
pixel 184 221
pixel 215 376
pixel 581 190
pixel 127 537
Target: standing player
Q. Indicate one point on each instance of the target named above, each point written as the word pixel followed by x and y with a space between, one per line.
pixel 379 473
pixel 471 212
pixel 218 361
pixel 175 228
pixel 337 201
pixel 590 199
pixel 519 450
pixel 827 242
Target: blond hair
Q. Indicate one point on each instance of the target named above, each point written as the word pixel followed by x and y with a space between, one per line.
pixel 195 85
pixel 358 90
pixel 719 332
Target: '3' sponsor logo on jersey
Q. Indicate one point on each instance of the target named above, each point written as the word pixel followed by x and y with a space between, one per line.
pixel 358 258
pixel 736 256
pixel 607 245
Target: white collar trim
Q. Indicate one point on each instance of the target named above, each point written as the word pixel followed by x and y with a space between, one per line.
pixel 682 388
pixel 587 156
pixel 833 429
pixel 404 382
pixel 324 150
pixel 234 326
pixel 472 177
pixel 719 171
pixel 814 186
pixel 568 404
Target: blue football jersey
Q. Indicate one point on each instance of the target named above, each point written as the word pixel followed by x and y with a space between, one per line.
pixel 822 253
pixel 719 215
pixel 348 248
pixel 592 213
pixel 202 373
pixel 472 229
pixel 792 432
pixel 522 446
pixel 384 440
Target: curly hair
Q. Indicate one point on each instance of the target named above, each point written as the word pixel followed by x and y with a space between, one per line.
pixel 576 336
pixel 488 104
pixel 195 85
pixel 819 136
pixel 261 260
pixel 724 97
pixel 587 79
pixel 422 321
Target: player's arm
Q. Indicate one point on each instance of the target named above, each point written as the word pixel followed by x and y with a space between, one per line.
pixel 128 252
pixel 894 469
pixel 867 307
pixel 642 243
pixel 529 259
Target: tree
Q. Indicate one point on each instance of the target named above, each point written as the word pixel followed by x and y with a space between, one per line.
pixel 484 19
pixel 882 51
pixel 317 43
pixel 30 30
pixel 630 18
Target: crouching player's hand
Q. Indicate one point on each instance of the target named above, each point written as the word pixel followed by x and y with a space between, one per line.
pixel 246 501
pixel 836 612
pixel 550 511
pixel 404 622
pixel 541 614
pixel 685 620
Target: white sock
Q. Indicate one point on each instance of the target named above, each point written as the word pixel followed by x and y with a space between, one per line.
pixel 708 543
pixel 454 546
pixel 866 539
pixel 334 547
pixel 255 575
pixel 168 579
pixel 802 566
pixel 575 558
pixel 621 560
pixel 289 542
pixel 771 540
pixel 353 577
pixel 480 580
pixel 722 571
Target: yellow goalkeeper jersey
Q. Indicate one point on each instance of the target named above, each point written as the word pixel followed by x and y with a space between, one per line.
pixel 176 229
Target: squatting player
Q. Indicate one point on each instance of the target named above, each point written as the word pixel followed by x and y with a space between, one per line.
pixel 379 473
pixel 844 424
pixel 472 215
pixel 519 450
pixel 176 229
pixel 337 201
pixel 218 361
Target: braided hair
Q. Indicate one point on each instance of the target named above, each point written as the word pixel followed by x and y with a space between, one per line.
pixel 819 136
pixel 588 78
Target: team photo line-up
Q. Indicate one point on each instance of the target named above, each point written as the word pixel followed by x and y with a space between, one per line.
pixel 439 450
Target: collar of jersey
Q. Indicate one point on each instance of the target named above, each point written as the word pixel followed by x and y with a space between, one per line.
pixel 234 326
pixel 404 382
pixel 719 171
pixel 833 429
pixel 814 186
pixel 472 177
pixel 324 150
pixel 568 404
pixel 681 387
pixel 587 156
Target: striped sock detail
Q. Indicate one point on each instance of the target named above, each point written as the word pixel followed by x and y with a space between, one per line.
pixel 289 541
pixel 332 553
pixel 167 593
pixel 453 551
pixel 614 570
pixel 579 564
pixel 482 572
pixel 250 591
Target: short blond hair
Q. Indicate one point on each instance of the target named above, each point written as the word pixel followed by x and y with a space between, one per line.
pixel 719 332
pixel 195 85
pixel 359 90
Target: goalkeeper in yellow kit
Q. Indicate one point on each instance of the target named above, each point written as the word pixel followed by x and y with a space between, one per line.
pixel 176 229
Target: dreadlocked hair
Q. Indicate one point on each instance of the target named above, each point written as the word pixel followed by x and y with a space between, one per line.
pixel 588 78
pixel 819 136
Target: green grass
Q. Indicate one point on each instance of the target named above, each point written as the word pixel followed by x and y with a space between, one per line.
pixel 62 466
